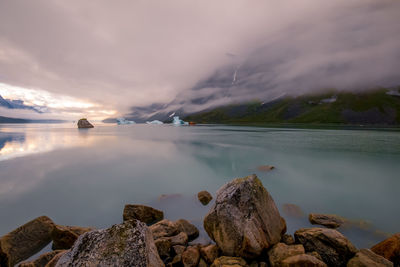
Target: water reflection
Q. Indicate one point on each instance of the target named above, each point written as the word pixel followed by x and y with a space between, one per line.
pixel 86 177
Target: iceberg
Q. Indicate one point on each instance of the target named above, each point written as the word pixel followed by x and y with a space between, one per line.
pixel 178 122
pixel 154 122
pixel 122 121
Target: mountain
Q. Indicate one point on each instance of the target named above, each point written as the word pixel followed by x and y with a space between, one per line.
pixel 376 107
pixel 17 120
pixel 19 104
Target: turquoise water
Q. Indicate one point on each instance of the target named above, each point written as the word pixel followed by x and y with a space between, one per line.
pixel 85 177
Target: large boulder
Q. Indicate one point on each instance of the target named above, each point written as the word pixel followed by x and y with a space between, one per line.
pixel 333 247
pixel 84 123
pixel 142 213
pixel 191 257
pixel 25 241
pixel 188 228
pixel 244 220
pixel 127 244
pixel 281 251
pixel 42 261
pixel 209 253
pixel 65 236
pixel 389 249
pixel 225 261
pixel 367 258
pixel 164 228
pixel 328 220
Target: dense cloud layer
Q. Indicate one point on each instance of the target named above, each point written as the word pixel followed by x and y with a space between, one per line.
pixel 197 54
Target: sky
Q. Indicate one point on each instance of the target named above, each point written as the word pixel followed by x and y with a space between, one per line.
pixel 100 58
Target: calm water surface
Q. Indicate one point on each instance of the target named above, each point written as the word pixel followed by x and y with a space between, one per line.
pixel 85 177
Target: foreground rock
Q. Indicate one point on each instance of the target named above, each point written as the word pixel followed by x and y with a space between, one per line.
pixel 302 260
pixel 25 241
pixel 142 213
pixel 334 248
pixel 43 260
pixel 225 261
pixel 188 228
pixel 244 219
pixel 64 237
pixel 127 244
pixel 209 253
pixel 204 197
pixel 54 260
pixel 328 220
pixel 281 251
pixel 84 123
pixel 389 249
pixel 191 257
pixel 366 257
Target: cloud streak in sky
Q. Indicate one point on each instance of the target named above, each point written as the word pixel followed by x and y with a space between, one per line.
pixel 132 53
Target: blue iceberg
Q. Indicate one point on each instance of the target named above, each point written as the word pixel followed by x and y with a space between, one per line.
pixel 122 121
pixel 178 121
pixel 154 122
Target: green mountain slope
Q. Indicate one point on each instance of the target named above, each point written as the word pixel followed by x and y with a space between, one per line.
pixel 375 107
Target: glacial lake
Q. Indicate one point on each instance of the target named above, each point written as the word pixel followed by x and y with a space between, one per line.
pixel 85 177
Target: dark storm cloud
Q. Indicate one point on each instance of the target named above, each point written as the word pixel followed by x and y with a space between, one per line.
pixel 197 54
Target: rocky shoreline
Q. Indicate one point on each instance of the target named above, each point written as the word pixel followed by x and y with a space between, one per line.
pixel 244 224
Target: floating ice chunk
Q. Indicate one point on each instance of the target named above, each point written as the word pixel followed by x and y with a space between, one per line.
pixel 172 114
pixel 328 100
pixel 154 122
pixel 393 92
pixel 122 121
pixel 178 121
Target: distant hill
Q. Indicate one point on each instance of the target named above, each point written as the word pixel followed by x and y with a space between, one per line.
pixel 17 120
pixel 377 107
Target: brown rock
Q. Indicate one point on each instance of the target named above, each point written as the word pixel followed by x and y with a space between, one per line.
pixel 328 220
pixel 389 249
pixel 163 247
pixel 64 237
pixel 209 253
pixel 25 241
pixel 191 257
pixel 302 260
pixel 225 261
pixel 367 258
pixel 244 220
pixel 54 260
pixel 179 239
pixel 188 228
pixel 202 263
pixel 164 228
pixel 265 168
pixel 281 251
pixel 84 123
pixel 204 197
pixel 179 249
pixel 287 239
pixel 176 261
pixel 292 210
pixel 142 213
pixel 315 254
pixel 334 248
pixel 42 260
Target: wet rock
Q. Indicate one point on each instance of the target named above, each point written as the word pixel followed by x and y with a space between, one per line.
pixel 142 213
pixel 389 249
pixel 25 241
pixel 42 260
pixel 54 260
pixel 367 258
pixel 127 244
pixel 244 219
pixel 164 228
pixel 84 123
pixel 191 257
pixel 179 239
pixel 179 249
pixel 265 168
pixel 292 210
pixel 281 251
pixel 163 247
pixel 328 220
pixel 188 228
pixel 204 197
pixel 225 261
pixel 334 248
pixel 209 253
pixel 302 260
pixel 64 237
pixel 287 239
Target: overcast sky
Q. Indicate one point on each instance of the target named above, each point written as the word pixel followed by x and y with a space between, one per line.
pixel 107 56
